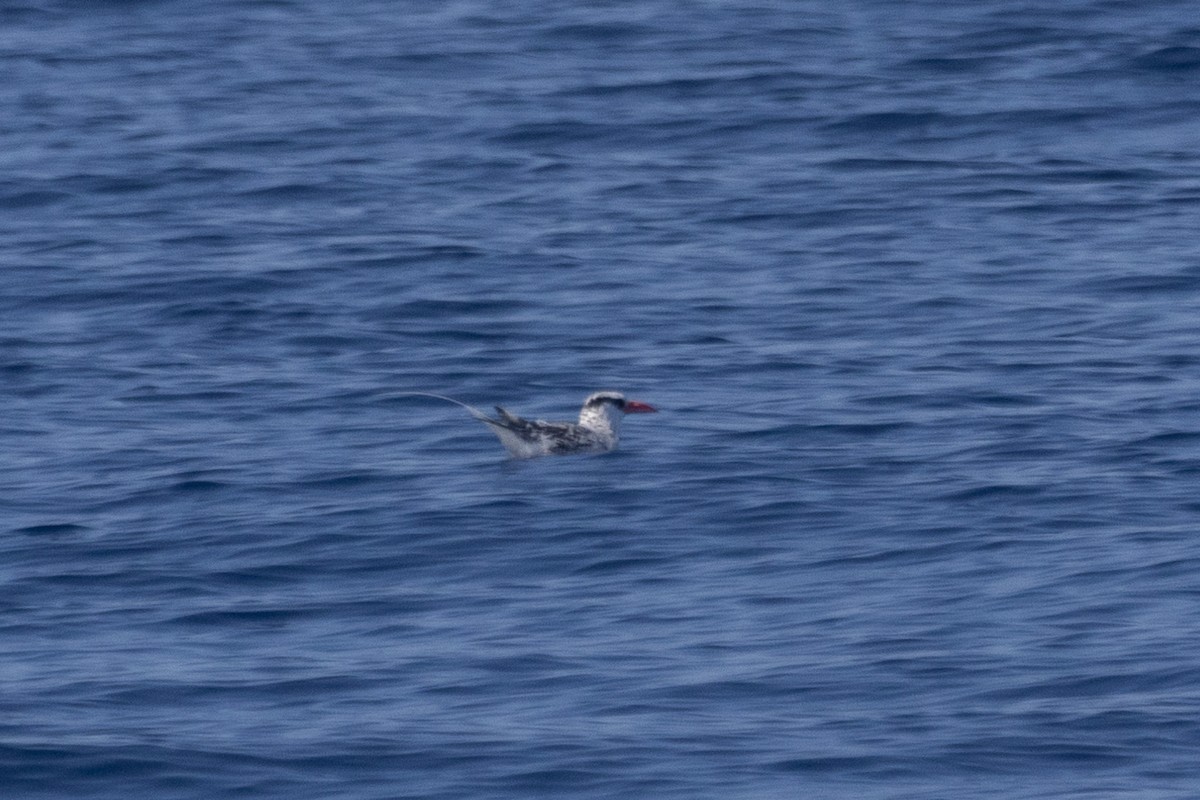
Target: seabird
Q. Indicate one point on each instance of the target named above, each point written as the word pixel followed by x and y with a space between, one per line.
pixel 597 431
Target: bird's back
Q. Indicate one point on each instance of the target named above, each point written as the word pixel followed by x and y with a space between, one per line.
pixel 527 438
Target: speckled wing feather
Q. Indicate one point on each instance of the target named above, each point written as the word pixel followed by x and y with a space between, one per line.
pixel 525 438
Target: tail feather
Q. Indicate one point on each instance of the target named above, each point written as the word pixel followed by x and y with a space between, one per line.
pixel 475 412
pixel 507 417
pixel 505 428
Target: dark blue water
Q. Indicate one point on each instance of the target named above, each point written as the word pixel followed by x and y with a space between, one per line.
pixel 914 285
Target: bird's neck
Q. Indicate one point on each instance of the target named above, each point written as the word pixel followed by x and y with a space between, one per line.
pixel 603 420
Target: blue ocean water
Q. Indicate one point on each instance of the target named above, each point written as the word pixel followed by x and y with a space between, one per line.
pixel 914 286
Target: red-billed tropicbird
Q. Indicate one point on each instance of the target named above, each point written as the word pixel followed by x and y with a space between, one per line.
pixel 596 432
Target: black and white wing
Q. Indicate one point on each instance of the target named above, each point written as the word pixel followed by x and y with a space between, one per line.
pixel 525 438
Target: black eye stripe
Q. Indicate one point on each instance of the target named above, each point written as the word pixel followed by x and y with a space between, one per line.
pixel 619 402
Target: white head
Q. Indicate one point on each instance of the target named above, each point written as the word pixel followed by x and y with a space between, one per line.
pixel 602 411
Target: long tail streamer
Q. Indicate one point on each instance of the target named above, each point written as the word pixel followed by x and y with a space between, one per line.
pixel 475 412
